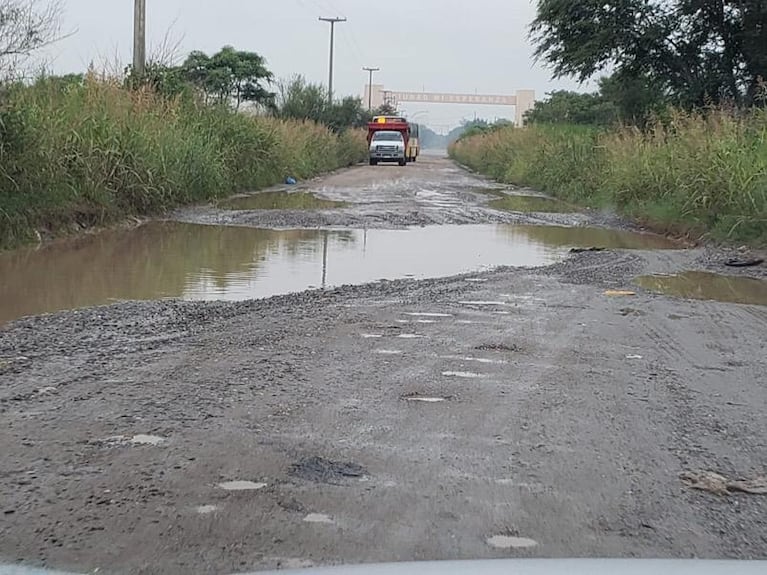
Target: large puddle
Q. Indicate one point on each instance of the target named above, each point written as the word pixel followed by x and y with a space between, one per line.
pixel 174 260
pixel 708 286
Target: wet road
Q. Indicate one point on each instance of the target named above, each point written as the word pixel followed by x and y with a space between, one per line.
pixel 499 413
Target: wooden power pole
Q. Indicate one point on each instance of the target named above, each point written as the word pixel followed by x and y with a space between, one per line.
pixel 139 38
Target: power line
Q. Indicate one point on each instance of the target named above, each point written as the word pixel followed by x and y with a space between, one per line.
pixel 332 22
pixel 353 50
pixel 355 44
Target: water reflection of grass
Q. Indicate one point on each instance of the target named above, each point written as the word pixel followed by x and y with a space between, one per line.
pixel 530 204
pixel 578 236
pixel 708 286
pixel 150 262
pixel 280 201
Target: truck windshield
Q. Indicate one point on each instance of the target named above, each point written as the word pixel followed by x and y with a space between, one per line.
pixel 388 136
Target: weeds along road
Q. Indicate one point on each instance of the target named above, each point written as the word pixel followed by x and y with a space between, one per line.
pixel 507 413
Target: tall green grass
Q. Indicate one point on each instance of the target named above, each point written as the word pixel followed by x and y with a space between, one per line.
pixel 697 174
pixel 86 155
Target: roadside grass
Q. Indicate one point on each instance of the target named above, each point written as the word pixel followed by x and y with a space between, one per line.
pixel 87 155
pixel 696 174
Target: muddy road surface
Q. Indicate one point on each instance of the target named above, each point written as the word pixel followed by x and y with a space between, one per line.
pixel 553 410
pixel 430 192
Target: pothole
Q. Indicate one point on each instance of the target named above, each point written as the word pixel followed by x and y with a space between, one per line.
pixel 463 374
pixel 280 201
pixel 513 348
pixel 510 542
pixel 241 486
pixel 708 286
pixel 423 398
pixel 206 509
pixel 319 518
pixel 429 314
pixel 153 440
pixel 128 440
pixel 628 311
pixel 475 359
pixel 321 470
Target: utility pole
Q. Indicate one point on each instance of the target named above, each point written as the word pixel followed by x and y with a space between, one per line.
pixel 370 86
pixel 139 38
pixel 333 22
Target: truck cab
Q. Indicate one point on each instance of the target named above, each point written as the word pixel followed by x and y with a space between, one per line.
pixel 387 146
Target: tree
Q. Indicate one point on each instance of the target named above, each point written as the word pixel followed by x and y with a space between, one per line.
pixel 385 109
pixel 469 128
pixel 25 26
pixel 348 113
pixel 564 107
pixel 230 76
pixel 634 98
pixel 693 52
pixel 300 100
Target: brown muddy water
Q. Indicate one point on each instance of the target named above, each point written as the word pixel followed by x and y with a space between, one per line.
pixel 708 286
pixel 196 262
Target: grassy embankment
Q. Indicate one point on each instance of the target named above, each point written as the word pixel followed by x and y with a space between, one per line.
pixel 81 156
pixel 696 175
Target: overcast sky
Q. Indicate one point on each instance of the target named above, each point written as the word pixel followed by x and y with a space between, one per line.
pixel 434 45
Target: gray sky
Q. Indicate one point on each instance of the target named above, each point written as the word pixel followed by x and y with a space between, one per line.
pixel 436 45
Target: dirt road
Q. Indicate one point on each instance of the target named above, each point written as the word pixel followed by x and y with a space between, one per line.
pixel 509 413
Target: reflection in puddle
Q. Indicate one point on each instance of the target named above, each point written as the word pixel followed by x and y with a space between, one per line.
pixel 583 237
pixel 196 262
pixel 708 286
pixel 530 204
pixel 279 201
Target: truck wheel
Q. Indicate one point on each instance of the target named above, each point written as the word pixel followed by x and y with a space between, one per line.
pixel 415 158
pixel 403 162
pixel 373 162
